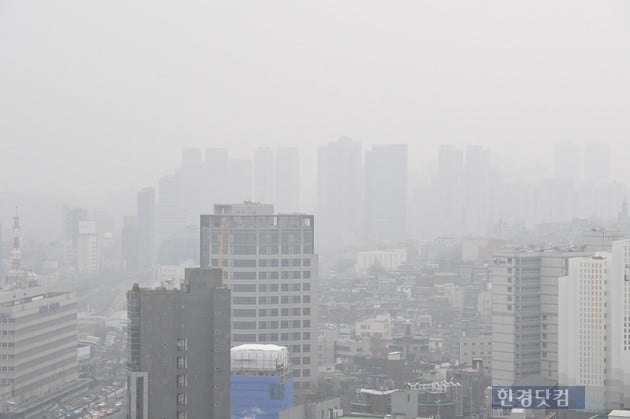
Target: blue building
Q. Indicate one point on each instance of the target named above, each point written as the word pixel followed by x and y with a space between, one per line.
pixel 261 382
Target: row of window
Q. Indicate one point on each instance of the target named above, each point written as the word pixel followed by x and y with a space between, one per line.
pixel 270 337
pixel 271 312
pixel 271 324
pixel 249 247
pixel 296 360
pixel 263 263
pixel 271 287
pixel 251 276
pixel 273 299
pixel 305 373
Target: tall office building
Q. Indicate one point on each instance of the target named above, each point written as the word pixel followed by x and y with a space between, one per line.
pixel 192 183
pixel 88 254
pixel 146 228
pixel 477 194
pixel 39 348
pixel 197 185
pixel 287 180
pixel 450 190
pixel 339 191
pixel 70 232
pixel 270 266
pixel 596 163
pixel 525 314
pixel 179 349
pixel 263 175
pixel 567 161
pixel 238 181
pixel 584 348
pixel 171 212
pixel 385 192
pixel 129 243
pixel 215 169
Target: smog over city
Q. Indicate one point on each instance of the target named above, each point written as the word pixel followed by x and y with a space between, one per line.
pixel 314 210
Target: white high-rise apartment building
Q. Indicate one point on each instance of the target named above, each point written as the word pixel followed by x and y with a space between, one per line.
pixel 619 322
pixel 584 336
pixel 594 324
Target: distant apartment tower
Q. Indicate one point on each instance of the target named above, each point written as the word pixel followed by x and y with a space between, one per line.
pixel 271 268
pixel 385 192
pixel 171 215
pixel 567 161
pixel 450 189
pixel 39 345
pixel 287 198
pixel 179 349
pixel 596 163
pixel 525 314
pixel 339 190
pixel 88 255
pixel 71 217
pixel 129 243
pixel 197 185
pixel 263 175
pixel 477 191
pixel 146 228
pixel 261 383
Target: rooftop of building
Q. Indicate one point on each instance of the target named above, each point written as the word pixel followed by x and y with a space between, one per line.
pixel 18 296
pixel 620 413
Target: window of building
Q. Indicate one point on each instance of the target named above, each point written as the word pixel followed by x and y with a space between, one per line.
pixel 244 288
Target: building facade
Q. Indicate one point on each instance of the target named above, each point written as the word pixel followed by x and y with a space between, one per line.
pixel 38 346
pixel 179 349
pixel 525 314
pixel 583 346
pixel 271 268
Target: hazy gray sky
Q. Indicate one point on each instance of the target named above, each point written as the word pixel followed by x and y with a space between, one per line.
pixel 103 94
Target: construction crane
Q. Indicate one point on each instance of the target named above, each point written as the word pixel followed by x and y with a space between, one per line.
pixel 222 245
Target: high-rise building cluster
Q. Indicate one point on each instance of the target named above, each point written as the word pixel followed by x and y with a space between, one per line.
pixel 425 295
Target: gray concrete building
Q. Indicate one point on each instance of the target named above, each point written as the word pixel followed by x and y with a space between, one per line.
pixel 525 314
pixel 179 349
pixel 38 348
pixel 271 268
